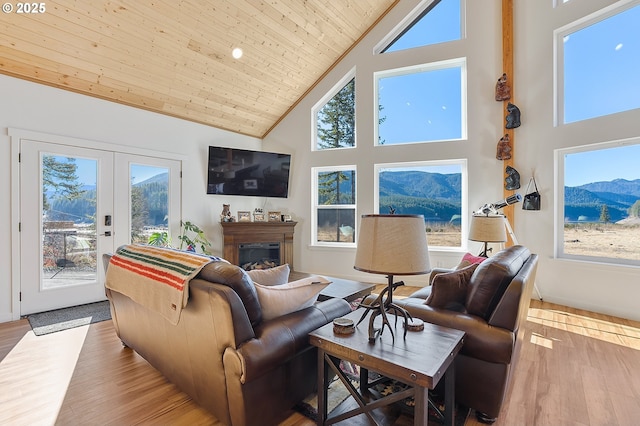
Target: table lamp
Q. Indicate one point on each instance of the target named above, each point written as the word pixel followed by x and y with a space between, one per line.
pixel 488 229
pixel 390 245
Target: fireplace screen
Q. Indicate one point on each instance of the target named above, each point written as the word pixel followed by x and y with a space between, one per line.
pixel 258 255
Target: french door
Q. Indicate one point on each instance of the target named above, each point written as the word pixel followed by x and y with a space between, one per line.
pixel 77 204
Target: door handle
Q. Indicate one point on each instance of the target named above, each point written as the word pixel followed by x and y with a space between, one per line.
pixel 106 234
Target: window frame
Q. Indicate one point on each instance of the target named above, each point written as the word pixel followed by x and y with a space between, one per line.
pixel 351 75
pixel 558 57
pixel 315 206
pixel 420 11
pixel 420 68
pixel 464 194
pixel 559 214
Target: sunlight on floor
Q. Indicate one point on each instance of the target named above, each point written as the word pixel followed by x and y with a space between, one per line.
pixel 540 340
pixel 54 356
pixel 624 335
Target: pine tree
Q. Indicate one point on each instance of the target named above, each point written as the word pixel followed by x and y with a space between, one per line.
pixel 605 217
pixel 336 120
pixel 336 129
pixel 139 213
pixel 60 176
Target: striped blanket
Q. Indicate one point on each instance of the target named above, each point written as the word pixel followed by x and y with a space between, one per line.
pixel 155 277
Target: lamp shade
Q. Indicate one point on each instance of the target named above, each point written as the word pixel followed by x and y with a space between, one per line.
pixel 392 245
pixel 488 229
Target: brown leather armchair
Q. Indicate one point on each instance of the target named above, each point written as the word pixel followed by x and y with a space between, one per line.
pixel 244 370
pixel 492 313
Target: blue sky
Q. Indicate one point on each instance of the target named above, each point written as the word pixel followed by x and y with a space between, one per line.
pixel 87 171
pixel 602 165
pixel 609 52
pixel 427 105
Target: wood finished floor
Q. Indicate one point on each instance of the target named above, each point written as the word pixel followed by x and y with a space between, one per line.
pixel 575 368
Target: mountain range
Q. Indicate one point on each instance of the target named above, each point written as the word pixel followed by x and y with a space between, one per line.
pixel 435 195
pixel 438 196
pixel 584 202
pixel 82 209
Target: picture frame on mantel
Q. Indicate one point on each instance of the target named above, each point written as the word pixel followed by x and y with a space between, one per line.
pixel 275 217
pixel 244 216
pixel 259 217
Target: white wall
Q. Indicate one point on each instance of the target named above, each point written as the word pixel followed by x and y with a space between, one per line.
pixel 597 287
pixel 29 106
pixel 602 288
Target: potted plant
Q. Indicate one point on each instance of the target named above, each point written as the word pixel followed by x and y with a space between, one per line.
pixel 191 237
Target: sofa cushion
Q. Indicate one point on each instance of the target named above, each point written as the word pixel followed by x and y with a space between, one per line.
pixel 278 300
pixel 235 277
pixel 469 259
pixel 271 276
pixel 491 278
pixel 449 290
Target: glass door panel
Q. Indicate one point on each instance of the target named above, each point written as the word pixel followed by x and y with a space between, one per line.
pixel 151 186
pixel 68 220
pixel 66 205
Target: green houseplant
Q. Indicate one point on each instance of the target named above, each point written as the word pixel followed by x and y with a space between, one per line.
pixel 191 238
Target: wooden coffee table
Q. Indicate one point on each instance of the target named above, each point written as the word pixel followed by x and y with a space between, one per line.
pixel 420 361
pixel 339 288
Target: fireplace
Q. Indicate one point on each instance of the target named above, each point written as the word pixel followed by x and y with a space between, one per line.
pixel 270 242
pixel 258 255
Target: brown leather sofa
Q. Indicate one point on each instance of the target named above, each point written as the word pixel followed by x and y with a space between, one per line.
pixel 492 313
pixel 244 370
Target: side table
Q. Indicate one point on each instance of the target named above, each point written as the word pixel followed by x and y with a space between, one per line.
pixel 420 360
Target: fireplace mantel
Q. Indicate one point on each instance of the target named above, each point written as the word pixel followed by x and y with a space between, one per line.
pixel 236 233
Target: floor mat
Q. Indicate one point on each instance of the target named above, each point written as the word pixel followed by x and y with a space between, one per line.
pixel 66 318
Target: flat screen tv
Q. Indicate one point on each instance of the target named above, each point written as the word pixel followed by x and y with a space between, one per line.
pixel 233 171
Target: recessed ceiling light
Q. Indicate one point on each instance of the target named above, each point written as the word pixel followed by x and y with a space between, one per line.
pixel 236 53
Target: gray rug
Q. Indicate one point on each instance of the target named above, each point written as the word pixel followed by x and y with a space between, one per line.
pixel 64 319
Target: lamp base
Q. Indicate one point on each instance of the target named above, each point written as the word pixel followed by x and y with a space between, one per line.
pixel 380 306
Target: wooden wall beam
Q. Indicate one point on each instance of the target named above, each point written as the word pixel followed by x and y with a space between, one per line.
pixel 507 67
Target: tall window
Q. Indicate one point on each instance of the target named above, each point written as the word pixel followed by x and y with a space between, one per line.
pixel 432 189
pixel 335 204
pixel 600 209
pixel 423 103
pixel 599 66
pixel 335 120
pixel 438 22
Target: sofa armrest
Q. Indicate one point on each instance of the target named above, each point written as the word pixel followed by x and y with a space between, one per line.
pixel 482 341
pixel 280 339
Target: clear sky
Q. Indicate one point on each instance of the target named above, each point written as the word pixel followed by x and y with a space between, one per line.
pixel 87 171
pixel 609 51
pixel 424 106
pixel 602 165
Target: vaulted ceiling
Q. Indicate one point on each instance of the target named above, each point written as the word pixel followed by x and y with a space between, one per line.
pixel 174 56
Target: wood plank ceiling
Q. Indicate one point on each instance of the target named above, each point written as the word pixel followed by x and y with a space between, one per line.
pixel 174 57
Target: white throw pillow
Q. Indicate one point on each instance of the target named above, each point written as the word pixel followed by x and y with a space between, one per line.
pixel 270 276
pixel 278 300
